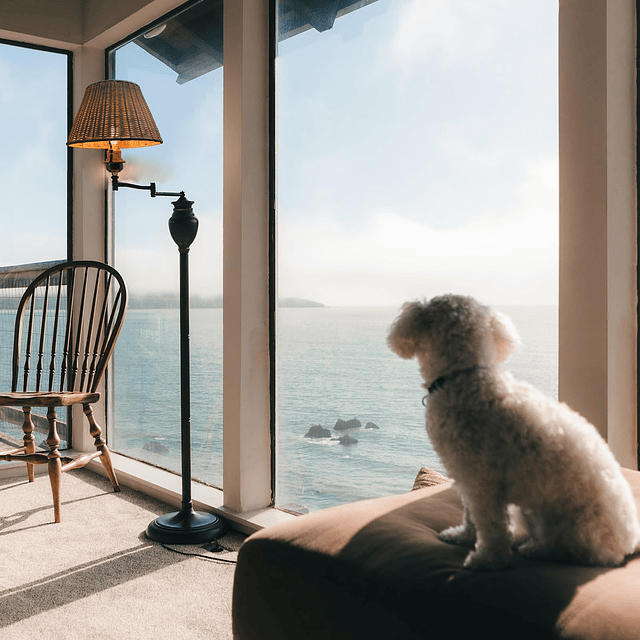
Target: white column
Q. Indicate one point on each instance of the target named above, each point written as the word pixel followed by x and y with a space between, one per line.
pixel 89 221
pixel 247 440
pixel 597 324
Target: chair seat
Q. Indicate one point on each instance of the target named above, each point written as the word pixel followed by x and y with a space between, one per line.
pixel 46 399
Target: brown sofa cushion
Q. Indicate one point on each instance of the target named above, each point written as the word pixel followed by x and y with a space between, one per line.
pixel 377 569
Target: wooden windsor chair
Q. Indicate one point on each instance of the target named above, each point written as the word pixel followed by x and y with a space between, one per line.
pixel 66 327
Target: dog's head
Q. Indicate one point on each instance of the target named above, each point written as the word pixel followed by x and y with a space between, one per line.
pixel 450 332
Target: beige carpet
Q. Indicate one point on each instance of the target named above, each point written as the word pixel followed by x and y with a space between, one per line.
pixel 95 575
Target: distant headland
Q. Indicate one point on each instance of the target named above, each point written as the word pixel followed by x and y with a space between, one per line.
pixel 298 302
pixel 172 301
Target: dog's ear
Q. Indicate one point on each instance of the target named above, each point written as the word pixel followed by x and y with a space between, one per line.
pixel 406 332
pixel 505 335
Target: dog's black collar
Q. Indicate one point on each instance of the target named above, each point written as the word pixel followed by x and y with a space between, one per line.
pixel 438 383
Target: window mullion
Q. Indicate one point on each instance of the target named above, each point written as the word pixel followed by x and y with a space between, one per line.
pixel 247 405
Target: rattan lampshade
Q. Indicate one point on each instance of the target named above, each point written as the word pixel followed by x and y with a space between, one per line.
pixel 113 111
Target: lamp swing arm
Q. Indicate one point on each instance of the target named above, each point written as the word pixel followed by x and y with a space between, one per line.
pixel 116 184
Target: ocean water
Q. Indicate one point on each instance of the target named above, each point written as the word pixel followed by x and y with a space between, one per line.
pixel 332 363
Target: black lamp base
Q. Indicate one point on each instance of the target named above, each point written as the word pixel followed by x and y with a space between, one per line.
pixel 186 527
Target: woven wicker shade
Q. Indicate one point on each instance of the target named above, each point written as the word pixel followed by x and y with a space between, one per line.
pixel 113 111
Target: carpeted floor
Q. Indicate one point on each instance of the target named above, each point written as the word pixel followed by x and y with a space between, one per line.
pixel 96 575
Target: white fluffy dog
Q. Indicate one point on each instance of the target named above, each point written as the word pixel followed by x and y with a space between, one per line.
pixel 514 453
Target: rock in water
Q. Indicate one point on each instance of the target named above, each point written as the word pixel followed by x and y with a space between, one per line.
pixel 342 425
pixel 156 447
pixel 371 425
pixel 318 431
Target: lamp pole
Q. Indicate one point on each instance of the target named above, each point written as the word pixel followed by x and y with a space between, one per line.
pixel 185 526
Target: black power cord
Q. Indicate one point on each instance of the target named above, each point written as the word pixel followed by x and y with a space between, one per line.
pixel 213 547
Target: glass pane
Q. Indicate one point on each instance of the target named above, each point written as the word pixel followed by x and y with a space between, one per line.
pixel 178 67
pixel 33 110
pixel 33 180
pixel 417 155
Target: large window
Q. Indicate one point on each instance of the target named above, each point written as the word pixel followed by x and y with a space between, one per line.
pixel 178 65
pixel 34 186
pixel 417 155
pixel 417 149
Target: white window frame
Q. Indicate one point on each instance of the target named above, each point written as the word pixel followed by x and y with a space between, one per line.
pixel 598 234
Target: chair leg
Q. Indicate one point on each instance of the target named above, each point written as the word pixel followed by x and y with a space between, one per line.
pixel 55 473
pixel 54 464
pixel 29 440
pixel 101 446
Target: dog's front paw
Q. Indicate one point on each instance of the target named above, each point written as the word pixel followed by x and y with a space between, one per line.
pixel 532 549
pixel 459 535
pixel 486 561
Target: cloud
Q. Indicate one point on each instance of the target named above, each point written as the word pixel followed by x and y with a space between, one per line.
pixel 452 33
pixel 153 270
pixel 32 245
pixel 503 257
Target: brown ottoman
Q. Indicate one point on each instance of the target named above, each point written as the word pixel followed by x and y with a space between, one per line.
pixel 376 569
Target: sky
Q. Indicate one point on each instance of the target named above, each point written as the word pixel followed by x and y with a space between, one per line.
pixel 417 155
pixel 33 180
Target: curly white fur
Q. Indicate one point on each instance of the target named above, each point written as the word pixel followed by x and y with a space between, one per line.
pixel 506 444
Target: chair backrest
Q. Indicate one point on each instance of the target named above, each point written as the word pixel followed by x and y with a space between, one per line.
pixel 66 327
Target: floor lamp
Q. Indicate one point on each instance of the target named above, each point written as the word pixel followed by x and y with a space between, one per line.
pixel 113 116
